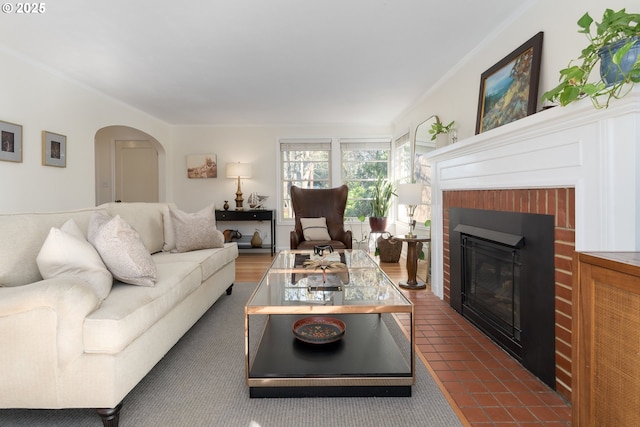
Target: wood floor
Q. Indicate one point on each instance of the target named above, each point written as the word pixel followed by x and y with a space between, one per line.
pixel 485 386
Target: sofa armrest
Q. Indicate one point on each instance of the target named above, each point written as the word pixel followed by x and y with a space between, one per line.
pixel 46 317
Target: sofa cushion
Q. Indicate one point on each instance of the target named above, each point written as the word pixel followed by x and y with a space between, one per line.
pixel 315 228
pixel 122 250
pixel 195 231
pixel 209 260
pixel 129 311
pixel 27 232
pixel 67 253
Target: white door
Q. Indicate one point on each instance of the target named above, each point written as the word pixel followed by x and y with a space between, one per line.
pixel 136 171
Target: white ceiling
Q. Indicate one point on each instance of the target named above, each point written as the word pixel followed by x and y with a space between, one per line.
pixel 257 62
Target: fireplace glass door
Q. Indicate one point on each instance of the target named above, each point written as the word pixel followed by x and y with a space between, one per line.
pixel 491 285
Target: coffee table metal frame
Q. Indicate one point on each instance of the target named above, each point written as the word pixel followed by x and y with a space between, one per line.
pixel 289 291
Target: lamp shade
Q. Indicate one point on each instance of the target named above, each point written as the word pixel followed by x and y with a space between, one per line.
pixel 410 194
pixel 241 170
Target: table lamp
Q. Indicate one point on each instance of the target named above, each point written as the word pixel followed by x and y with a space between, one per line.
pixel 410 195
pixel 239 170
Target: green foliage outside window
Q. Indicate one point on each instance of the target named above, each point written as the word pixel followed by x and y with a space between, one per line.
pixel 360 171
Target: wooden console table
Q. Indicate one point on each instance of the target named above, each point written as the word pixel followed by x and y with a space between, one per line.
pixel 252 215
pixel 412 281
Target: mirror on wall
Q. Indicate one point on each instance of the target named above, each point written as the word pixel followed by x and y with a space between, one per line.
pixel 422 140
pixel 421 170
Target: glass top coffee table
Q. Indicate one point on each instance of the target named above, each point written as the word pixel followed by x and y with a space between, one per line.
pixel 325 326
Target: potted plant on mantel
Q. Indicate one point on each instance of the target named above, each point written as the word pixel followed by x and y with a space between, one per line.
pixel 615 44
pixel 440 133
pixel 380 205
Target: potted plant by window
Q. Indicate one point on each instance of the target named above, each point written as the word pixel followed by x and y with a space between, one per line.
pixel 614 43
pixel 380 204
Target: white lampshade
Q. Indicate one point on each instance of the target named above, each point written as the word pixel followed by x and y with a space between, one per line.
pixel 410 194
pixel 239 170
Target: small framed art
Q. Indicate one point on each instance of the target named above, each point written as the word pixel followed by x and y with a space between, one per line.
pixel 509 89
pixel 11 137
pixel 54 149
pixel 202 166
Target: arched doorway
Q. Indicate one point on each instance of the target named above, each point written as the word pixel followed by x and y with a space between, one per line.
pixel 129 166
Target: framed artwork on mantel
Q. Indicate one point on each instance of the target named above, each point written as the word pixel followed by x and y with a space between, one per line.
pixel 509 89
pixel 54 149
pixel 11 148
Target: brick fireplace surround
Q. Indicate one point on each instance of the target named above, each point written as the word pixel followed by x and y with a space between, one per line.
pixel 560 203
pixel 577 163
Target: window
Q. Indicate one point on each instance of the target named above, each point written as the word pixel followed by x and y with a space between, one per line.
pixel 402 164
pixel 306 164
pixel 362 162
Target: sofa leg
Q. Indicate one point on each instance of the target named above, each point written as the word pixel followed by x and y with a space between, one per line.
pixel 110 416
pixel 229 289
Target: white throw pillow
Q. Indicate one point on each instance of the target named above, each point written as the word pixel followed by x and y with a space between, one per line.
pixel 195 231
pixel 66 253
pixel 315 228
pixel 123 251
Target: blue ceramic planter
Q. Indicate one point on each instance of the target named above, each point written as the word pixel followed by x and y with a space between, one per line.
pixel 609 71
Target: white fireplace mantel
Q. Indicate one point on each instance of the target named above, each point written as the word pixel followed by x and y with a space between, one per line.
pixel 594 151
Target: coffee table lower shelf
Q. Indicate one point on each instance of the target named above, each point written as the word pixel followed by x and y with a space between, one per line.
pixel 366 362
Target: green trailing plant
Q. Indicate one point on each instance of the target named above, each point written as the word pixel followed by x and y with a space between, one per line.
pixel 616 29
pixel 381 198
pixel 437 128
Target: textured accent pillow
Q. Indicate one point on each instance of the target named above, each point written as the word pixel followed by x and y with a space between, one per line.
pixel 123 251
pixel 169 233
pixel 195 231
pixel 315 228
pixel 97 220
pixel 66 253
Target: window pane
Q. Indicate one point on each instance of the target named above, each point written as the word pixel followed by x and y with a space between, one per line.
pixel 403 167
pixel 362 164
pixel 305 168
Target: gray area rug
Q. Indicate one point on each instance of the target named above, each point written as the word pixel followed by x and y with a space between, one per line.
pixel 201 382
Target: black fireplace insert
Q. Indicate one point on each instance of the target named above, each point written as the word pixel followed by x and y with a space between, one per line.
pixel 502 281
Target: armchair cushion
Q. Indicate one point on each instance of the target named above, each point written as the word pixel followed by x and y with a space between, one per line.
pixel 315 228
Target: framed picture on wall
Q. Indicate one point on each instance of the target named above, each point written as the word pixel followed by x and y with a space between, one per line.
pixel 509 89
pixel 54 149
pixel 11 148
pixel 202 166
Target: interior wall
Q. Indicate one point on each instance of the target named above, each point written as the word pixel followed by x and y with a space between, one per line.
pixel 104 160
pixel 39 100
pixel 255 145
pixel 455 97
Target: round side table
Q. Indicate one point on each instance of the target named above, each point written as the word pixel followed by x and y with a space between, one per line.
pixel 412 262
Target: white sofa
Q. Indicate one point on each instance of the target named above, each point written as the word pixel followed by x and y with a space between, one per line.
pixel 62 346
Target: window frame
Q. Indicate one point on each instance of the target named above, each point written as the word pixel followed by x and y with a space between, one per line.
pixel 360 144
pixel 299 144
pixel 335 166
